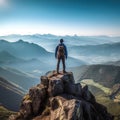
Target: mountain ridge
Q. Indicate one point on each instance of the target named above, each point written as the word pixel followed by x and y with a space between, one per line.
pixel 18 47
pixel 10 95
pixel 104 82
pixel 7 58
pixel 17 77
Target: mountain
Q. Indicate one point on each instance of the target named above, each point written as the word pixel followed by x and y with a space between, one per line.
pixel 7 58
pixel 10 95
pixel 38 67
pixel 107 75
pixel 116 63
pixel 57 97
pixel 20 78
pixel 23 49
pixel 102 50
pixel 33 58
pixel 104 83
pixel 104 77
pixel 82 39
pixel 96 54
pixel 49 41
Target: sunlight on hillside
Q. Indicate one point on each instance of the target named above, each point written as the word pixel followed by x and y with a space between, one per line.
pixel 93 83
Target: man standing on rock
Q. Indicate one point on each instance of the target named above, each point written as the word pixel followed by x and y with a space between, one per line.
pixel 61 54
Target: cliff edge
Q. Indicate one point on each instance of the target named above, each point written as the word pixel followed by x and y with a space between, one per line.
pixel 57 97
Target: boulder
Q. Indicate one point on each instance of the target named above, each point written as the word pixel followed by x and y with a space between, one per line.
pixel 68 77
pixel 56 86
pixel 57 83
pixel 66 110
pixel 44 80
pixel 26 109
pixel 87 95
pixel 73 89
pixel 38 96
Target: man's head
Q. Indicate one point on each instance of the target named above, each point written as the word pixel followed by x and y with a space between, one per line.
pixel 61 40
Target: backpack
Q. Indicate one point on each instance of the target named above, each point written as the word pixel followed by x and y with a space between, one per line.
pixel 61 51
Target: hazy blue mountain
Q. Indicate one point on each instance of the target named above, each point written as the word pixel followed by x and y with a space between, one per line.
pixel 49 41
pixel 97 48
pixel 103 49
pixel 23 49
pixel 21 79
pixel 33 66
pixel 94 54
pixel 10 95
pixel 36 59
pixel 84 40
pixel 7 58
pixel 39 67
pixel 116 63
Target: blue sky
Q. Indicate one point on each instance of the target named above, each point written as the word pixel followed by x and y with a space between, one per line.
pixel 60 17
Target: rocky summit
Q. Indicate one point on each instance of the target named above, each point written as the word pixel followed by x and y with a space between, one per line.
pixel 58 97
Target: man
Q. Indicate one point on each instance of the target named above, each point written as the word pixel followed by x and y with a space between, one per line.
pixel 61 54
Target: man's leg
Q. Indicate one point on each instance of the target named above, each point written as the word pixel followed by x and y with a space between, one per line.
pixel 58 64
pixel 63 62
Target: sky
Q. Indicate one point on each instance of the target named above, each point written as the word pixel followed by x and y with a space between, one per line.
pixel 60 17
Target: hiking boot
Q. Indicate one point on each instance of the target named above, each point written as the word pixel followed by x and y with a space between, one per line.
pixel 64 71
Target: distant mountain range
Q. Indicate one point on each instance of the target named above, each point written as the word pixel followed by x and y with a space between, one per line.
pixel 116 63
pixel 96 54
pixel 102 50
pixel 84 40
pixel 30 57
pixel 97 48
pixel 23 49
pixel 49 41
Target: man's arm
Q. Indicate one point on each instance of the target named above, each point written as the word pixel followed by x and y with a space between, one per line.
pixel 56 52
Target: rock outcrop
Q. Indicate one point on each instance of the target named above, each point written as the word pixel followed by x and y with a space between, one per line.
pixel 59 98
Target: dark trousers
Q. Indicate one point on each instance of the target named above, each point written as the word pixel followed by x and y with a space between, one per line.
pixel 63 63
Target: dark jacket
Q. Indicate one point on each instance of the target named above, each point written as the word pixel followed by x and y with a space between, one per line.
pixel 65 48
